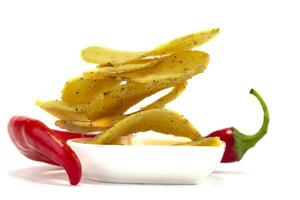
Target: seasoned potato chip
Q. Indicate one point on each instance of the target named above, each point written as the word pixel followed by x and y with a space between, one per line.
pixel 63 110
pixel 128 103
pixel 186 42
pixel 159 120
pixel 120 98
pixel 177 67
pixel 104 72
pixel 210 141
pixel 173 94
pixel 106 122
pixel 127 67
pixel 142 61
pixel 77 126
pixel 82 90
pixel 105 56
pixel 89 126
pixel 98 100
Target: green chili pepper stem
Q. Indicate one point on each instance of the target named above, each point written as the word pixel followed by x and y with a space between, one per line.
pixel 244 142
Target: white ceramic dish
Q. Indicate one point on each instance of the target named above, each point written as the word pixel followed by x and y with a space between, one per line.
pixel 147 164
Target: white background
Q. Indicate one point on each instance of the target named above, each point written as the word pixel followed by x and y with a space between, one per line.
pixel 258 47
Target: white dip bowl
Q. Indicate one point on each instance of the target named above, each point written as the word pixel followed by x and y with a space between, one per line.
pixel 147 164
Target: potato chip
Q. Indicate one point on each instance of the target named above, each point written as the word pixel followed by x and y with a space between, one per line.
pixel 106 122
pixel 173 94
pixel 77 126
pixel 186 42
pixel 108 72
pixel 126 67
pixel 119 99
pixel 141 61
pixel 63 110
pixel 88 125
pixel 98 100
pixel 105 56
pixel 159 120
pixel 177 67
pixel 81 90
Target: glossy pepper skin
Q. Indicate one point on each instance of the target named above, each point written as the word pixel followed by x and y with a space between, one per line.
pixel 66 135
pixel 237 143
pixel 37 142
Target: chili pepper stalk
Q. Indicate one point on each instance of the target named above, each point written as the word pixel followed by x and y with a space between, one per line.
pixel 237 143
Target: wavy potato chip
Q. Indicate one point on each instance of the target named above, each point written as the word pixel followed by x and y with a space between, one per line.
pixel 81 90
pixel 159 120
pixel 107 71
pixel 140 61
pixel 120 99
pixel 107 122
pixel 177 67
pixel 162 101
pixel 105 56
pixel 186 42
pixel 89 126
pixel 63 110
pixel 77 126
pixel 98 100
pixel 104 72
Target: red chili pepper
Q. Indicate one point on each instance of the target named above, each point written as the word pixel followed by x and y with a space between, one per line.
pixel 66 135
pixel 37 142
pixel 237 143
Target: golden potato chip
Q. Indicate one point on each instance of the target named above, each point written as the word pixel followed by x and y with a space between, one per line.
pixel 142 60
pixel 126 67
pixel 105 56
pixel 104 72
pixel 98 100
pixel 106 122
pixel 63 110
pixel 177 67
pixel 159 120
pixel 139 61
pixel 81 90
pixel 120 98
pixel 186 42
pixel 173 94
pixel 89 126
pixel 77 126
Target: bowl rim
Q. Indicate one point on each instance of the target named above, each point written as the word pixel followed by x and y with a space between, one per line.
pixel 72 142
